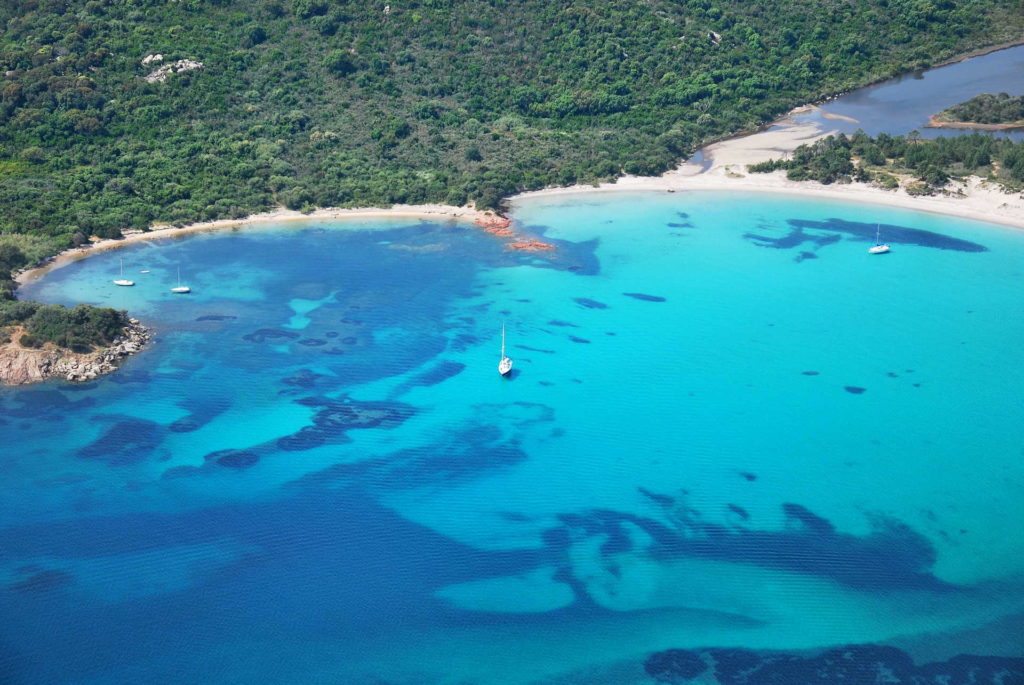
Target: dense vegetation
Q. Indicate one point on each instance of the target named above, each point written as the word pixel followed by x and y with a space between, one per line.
pixel 932 162
pixel 321 102
pixel 987 109
pixel 10 258
pixel 80 328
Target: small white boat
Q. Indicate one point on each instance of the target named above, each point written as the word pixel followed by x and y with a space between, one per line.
pixel 122 280
pixel 180 289
pixel 505 365
pixel 143 271
pixel 879 247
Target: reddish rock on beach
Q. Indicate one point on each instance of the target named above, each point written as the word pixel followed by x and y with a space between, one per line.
pixel 491 220
pixel 500 226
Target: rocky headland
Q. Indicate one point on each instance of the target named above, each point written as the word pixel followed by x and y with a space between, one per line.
pixel 22 365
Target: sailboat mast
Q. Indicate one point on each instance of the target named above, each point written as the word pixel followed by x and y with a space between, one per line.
pixel 502 341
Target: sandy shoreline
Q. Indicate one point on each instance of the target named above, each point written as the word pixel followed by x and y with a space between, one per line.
pixel 724 170
pixel 980 52
pixel 980 201
pixel 935 122
pixel 974 199
pixel 432 211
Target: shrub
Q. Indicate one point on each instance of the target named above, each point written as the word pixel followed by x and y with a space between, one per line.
pixel 886 181
pixel 80 328
pixel 14 311
pixel 30 341
pixel 339 62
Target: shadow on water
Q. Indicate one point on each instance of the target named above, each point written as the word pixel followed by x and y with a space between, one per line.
pixel 468 450
pixel 438 373
pixel 129 441
pixel 892 556
pixel 802 231
pixel 325 548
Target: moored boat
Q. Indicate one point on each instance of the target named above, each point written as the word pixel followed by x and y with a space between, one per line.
pixel 122 280
pixel 180 289
pixel 879 247
pixel 505 365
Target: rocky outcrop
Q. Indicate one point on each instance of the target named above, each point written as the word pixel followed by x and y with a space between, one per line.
pixel 160 75
pixel 495 224
pixel 20 365
pixel 501 227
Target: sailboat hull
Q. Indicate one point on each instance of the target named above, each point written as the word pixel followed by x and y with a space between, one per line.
pixel 121 280
pixel 505 365
pixel 879 247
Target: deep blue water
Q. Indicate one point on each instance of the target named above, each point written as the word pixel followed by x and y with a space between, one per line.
pixel 730 433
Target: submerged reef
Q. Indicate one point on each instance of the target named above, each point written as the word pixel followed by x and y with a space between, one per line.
pixel 335 418
pixel 854 664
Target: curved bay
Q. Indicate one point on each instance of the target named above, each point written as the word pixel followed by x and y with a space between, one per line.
pixel 320 432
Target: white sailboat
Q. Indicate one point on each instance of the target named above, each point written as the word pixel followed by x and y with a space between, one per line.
pixel 122 280
pixel 879 247
pixel 505 365
pixel 180 289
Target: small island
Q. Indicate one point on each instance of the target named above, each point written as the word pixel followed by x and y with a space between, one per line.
pixel 40 341
pixel 985 112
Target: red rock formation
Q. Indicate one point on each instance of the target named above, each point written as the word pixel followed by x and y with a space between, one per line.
pixel 530 245
pixel 499 226
pixel 495 225
pixel 492 220
pixel 499 231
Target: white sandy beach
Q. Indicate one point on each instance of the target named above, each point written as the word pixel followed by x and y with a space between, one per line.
pixel 431 211
pixel 727 160
pixel 725 168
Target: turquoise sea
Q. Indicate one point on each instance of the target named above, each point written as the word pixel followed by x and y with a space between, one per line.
pixel 735 447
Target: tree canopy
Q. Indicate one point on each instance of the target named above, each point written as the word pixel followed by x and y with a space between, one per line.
pixel 933 162
pixel 987 108
pixel 116 114
pixel 79 328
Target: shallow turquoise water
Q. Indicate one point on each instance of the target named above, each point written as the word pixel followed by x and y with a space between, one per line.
pixel 728 427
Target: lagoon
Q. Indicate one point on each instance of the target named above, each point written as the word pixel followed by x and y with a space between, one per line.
pixel 903 104
pixel 728 427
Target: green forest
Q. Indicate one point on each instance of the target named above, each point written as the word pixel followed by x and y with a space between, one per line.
pixel 80 328
pixel 987 109
pixel 254 104
pixel 932 163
